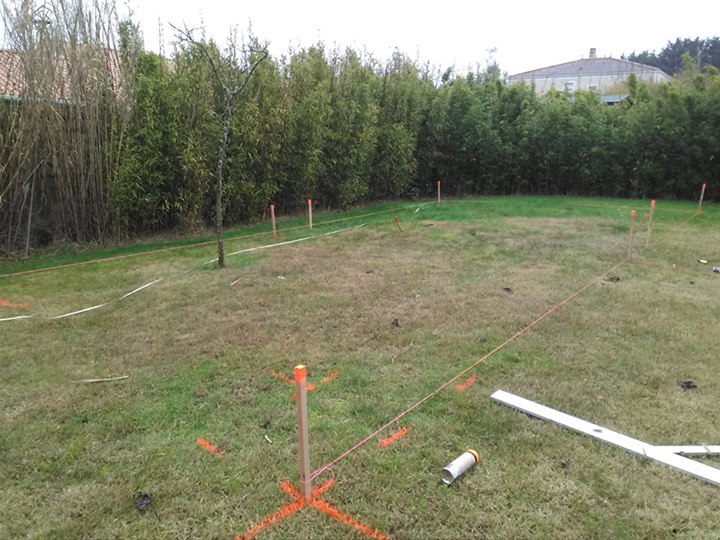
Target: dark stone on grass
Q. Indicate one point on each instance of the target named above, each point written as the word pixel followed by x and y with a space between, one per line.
pixel 142 501
pixel 565 464
pixel 612 279
pixel 395 323
pixel 508 290
pixel 265 425
pixel 687 385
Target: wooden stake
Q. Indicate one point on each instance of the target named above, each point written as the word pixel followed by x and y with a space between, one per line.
pixel 272 218
pixel 650 223
pixel 310 212
pixel 702 196
pixel 303 436
pixel 438 184
pixel 633 213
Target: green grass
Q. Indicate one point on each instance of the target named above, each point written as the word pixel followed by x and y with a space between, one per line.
pixel 200 352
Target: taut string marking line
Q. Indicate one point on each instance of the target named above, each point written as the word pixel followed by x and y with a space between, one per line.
pixel 85 310
pixel 512 338
pixel 185 246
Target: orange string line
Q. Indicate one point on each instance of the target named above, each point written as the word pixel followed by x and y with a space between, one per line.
pixel 512 338
pixel 281 514
pixel 688 220
pixel 464 385
pixel 382 443
pixel 348 520
pixel 7 304
pixel 214 449
pixel 330 376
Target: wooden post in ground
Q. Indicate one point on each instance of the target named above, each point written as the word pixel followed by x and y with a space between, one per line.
pixel 650 223
pixel 438 185
pixel 310 212
pixel 702 195
pixel 272 218
pixel 633 213
pixel 303 435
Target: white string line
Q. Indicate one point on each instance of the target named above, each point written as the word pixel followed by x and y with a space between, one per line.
pixel 92 308
pixel 268 246
pixel 141 288
pixel 78 312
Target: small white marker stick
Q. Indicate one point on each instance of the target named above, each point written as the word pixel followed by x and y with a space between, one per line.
pixel 702 195
pixel 310 212
pixel 650 223
pixel 272 218
pixel 633 213
pixel 438 186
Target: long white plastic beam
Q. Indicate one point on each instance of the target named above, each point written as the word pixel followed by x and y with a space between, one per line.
pixel 660 454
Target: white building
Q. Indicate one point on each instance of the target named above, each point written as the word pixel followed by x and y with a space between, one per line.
pixel 592 73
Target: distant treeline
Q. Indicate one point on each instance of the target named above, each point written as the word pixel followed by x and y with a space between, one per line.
pixel 703 52
pixel 136 151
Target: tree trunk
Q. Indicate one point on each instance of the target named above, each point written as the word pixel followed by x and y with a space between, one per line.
pixel 227 115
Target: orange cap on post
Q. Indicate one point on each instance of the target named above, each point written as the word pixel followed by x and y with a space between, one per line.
pixel 309 201
pixel 633 213
pixel 272 206
pixel 652 203
pixel 300 372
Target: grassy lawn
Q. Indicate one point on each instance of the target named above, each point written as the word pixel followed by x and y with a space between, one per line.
pixel 201 346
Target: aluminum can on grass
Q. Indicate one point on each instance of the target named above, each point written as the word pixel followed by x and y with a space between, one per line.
pixel 459 466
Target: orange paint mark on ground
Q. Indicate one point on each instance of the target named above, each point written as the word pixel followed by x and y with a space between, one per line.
pixel 330 376
pixel 5 303
pixel 464 385
pixel 392 438
pixel 298 503
pixel 282 376
pixel 214 449
pixel 322 488
pixel 348 520
pixel 285 511
pixel 310 387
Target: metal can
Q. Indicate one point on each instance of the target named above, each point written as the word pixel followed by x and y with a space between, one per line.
pixel 459 466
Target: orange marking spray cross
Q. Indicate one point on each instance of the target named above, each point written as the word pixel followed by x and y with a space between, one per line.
pixel 299 503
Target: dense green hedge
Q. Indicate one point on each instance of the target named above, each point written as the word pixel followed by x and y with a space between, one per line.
pixel 344 129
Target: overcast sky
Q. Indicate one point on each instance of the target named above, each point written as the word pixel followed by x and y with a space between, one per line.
pixel 525 34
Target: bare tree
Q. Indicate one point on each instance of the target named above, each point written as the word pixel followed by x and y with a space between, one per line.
pixel 233 71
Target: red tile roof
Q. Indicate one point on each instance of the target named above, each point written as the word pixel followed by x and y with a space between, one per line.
pixel 12 78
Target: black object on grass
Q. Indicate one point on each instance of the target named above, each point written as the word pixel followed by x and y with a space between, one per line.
pixel 143 501
pixel 687 385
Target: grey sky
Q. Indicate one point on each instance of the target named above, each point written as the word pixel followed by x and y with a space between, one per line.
pixel 525 34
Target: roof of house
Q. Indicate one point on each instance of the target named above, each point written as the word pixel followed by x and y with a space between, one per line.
pixel 13 83
pixel 588 66
pixel 10 73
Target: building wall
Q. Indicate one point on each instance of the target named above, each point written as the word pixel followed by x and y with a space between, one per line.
pixel 596 83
